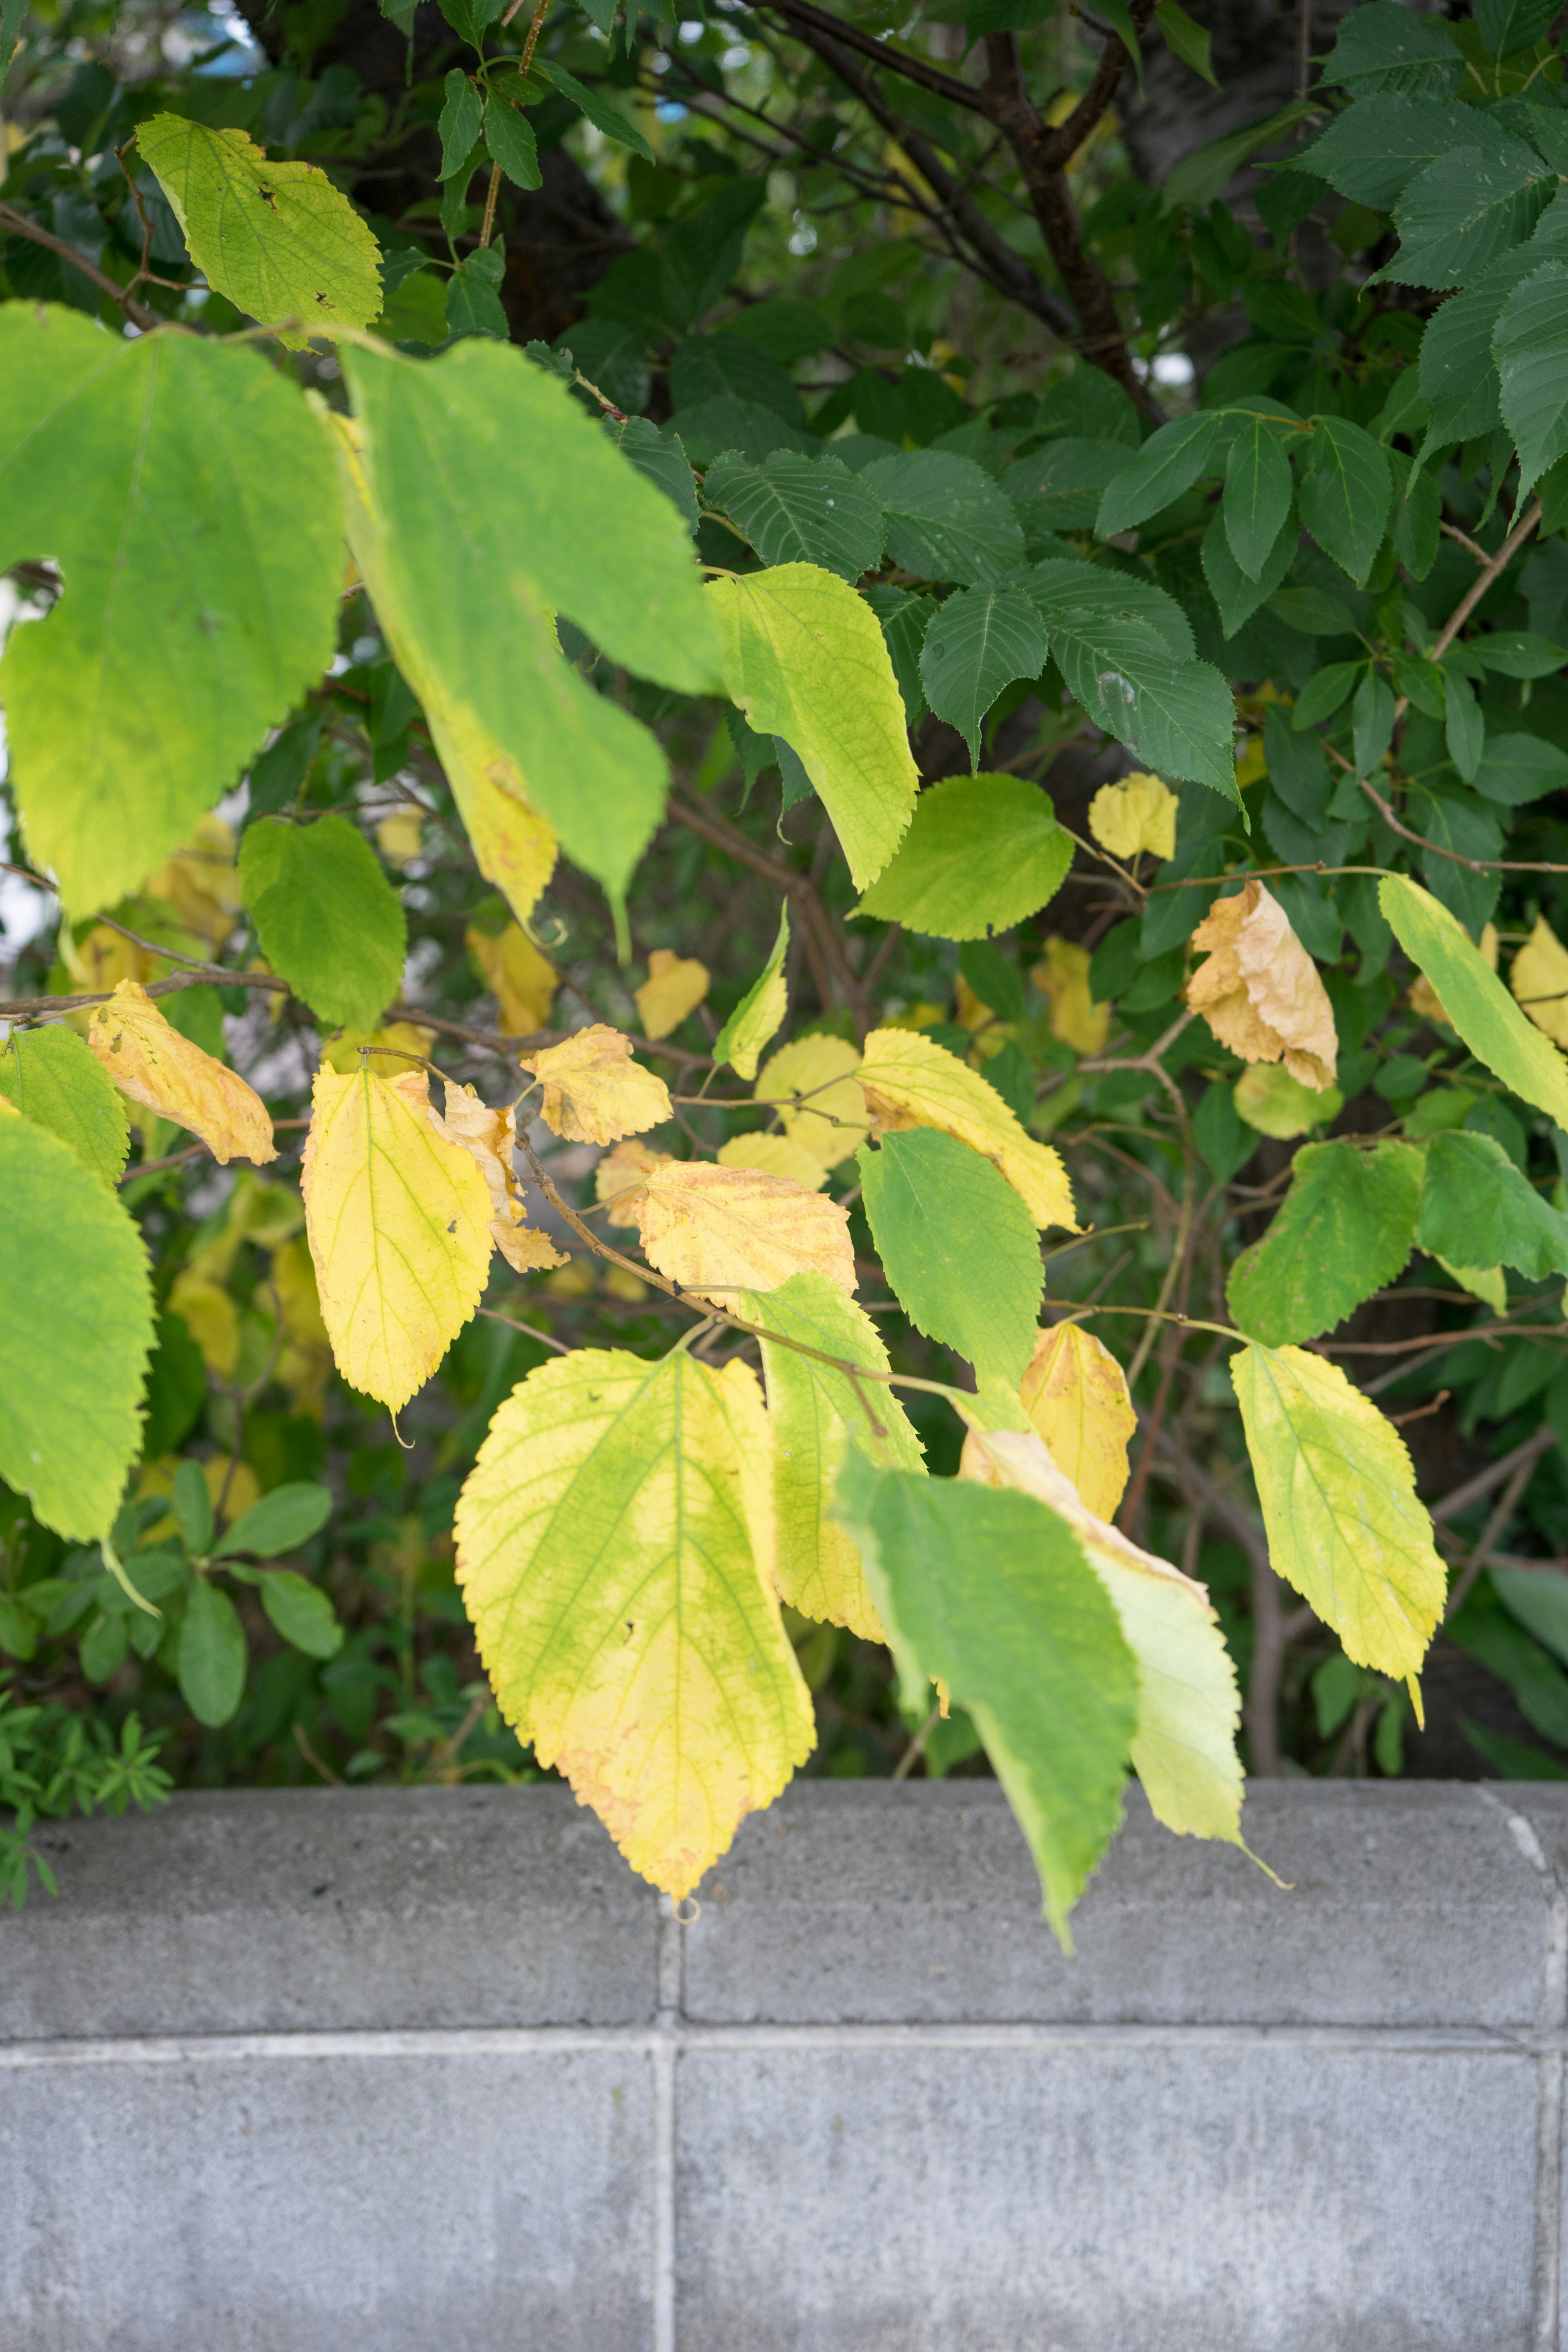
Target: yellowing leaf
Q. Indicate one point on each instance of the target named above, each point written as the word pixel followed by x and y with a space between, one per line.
pixel 1062 976
pixel 910 1082
pixel 1138 814
pixel 1276 1104
pixel 212 1319
pixel 1424 998
pixel 1074 1393
pixel 1339 1504
pixel 593 1091
pixel 621 1174
pixel 615 1549
pixel 758 1014
pixel 674 987
pixel 776 1155
pixel 805 658
pixel 341 1053
pixel 400 837
pixel 398 1222
pixel 1259 990
pixel 1188 1703
pixel 279 239
pixel 719 1230
pixel 521 980
pixel 150 1061
pixel 491 1137
pixel 304 1363
pixel 199 883
pixel 1539 979
pixel 819 1102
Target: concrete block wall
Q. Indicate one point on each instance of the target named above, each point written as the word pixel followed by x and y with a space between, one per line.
pixel 429 2071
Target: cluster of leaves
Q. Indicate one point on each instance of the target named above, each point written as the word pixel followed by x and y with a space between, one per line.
pixel 597 592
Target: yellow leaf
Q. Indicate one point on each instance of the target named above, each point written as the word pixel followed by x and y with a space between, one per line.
pixel 151 1062
pixel 101 960
pixel 1137 815
pixel 199 883
pixel 1538 980
pixel 1188 1703
pixel 266 1214
pixel 491 1137
pixel 1259 990
pixel 819 1102
pixel 674 987
pixel 910 1082
pixel 1062 977
pixel 399 1223
pixel 1075 1392
pixel 400 837
pixel 593 1091
pixel 758 1014
pixel 615 1549
pixel 1275 1103
pixel 341 1053
pixel 521 980
pixel 1424 998
pixel 212 1319
pixel 1339 1501
pixel 620 1174
pixel 776 1156
pixel 719 1230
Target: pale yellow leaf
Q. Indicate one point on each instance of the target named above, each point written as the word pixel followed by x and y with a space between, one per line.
pixel 1074 1393
pixel 812 1084
pixel 200 885
pixel 616 1552
pixel 719 1230
pixel 1137 815
pixel 1275 1103
pixel 593 1091
pixel 341 1053
pixel 1062 976
pixel 620 1175
pixel 910 1082
pixel 210 1317
pixel 674 987
pixel 521 980
pixel 150 1061
pixel 491 1136
pixel 1485 1281
pixel 398 1222
pixel 1188 1703
pixel 1424 998
pixel 777 1156
pixel 1538 980
pixel 400 837
pixel 1259 990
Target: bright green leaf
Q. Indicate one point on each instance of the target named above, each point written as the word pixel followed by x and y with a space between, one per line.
pixel 758 1014
pixel 981 854
pixel 1343 1230
pixel 958 1245
pixel 329 922
pixel 56 1081
pixel 1476 1002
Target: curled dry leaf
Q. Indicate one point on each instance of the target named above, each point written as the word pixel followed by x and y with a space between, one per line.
pixel 1424 998
pixel 776 1155
pixel 1062 977
pixel 620 1175
pixel 491 1137
pixel 719 1230
pixel 674 987
pixel 910 1082
pixel 1075 1392
pixel 521 980
pixel 1259 990
pixel 150 1061
pixel 1538 980
pixel 1138 814
pixel 593 1091
pixel 812 1084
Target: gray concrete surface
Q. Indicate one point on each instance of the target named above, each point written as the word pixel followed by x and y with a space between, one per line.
pixel 427 2071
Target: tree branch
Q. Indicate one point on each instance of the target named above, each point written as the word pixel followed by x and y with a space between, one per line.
pixel 137 313
pixel 898 61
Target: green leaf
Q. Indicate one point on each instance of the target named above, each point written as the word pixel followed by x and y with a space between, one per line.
pixel 76 1325
pixel 1169 463
pixel 1529 344
pixel 716 367
pixel 1415 524
pixel 600 111
pixel 186 493
pixel 1345 493
pixel 1508 26
pixel 1476 1002
pixel 758 1014
pixel 301 1613
pixel 1343 1230
pixel 1515 769
pixel 194 1508
pixel 279 239
pixel 946 518
pixel 1061 485
pixel 981 640
pixel 1466 210
pixel 796 509
pixel 1236 596
pixel 1258 493
pixel 1189 41
pixel 816 1412
pixel 329 922
pixel 1125 650
pixel 1373 148
pixel 981 854
pixel 473 304
pixel 988 1591
pixel 1339 1506
pixel 177 1387
pixel 663 463
pixel 281 1521
pixel 1386 47
pixel 1459 374
pixel 904 622
pixel 55 1080
pixel 806 659
pixel 958 1246
pixel 1540 1601
pixel 1490 1633
pixel 1206 174
pixel 1476 1210
pixel 459 125
pixel 509 137
pixel 211 1656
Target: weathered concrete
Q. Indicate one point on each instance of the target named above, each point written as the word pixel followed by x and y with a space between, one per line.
pixel 427 2071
